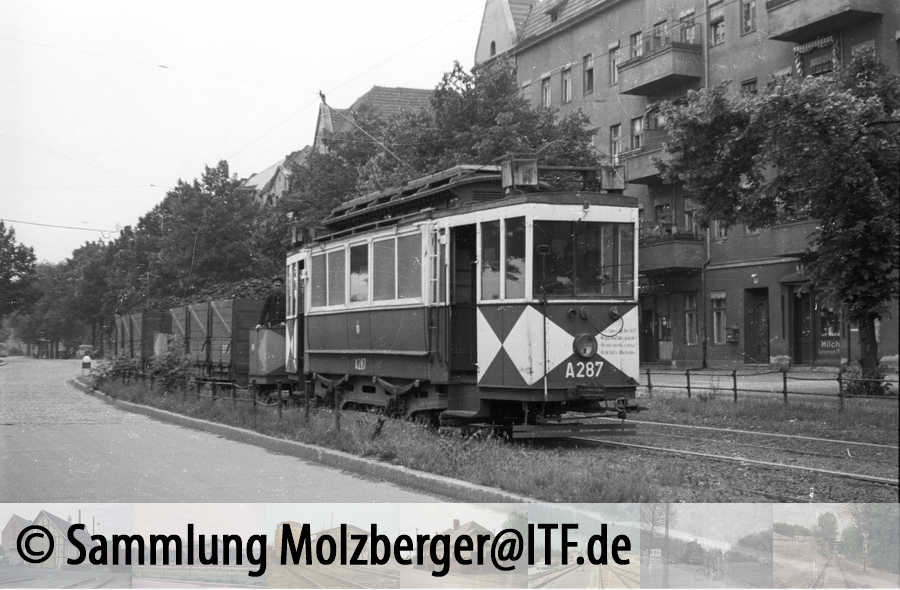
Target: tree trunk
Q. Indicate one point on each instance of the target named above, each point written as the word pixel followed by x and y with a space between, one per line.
pixel 868 347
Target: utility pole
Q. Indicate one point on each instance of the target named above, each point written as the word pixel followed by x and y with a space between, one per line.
pixel 666 557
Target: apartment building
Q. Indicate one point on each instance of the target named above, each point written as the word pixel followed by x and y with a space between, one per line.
pixel 721 295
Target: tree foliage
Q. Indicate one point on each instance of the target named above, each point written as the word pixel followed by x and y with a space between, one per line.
pixel 475 117
pixel 823 148
pixel 206 238
pixel 16 272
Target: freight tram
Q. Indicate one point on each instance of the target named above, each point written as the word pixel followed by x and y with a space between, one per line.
pixel 497 295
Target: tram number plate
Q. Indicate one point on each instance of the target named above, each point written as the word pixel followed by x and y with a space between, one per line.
pixel 359 364
pixel 581 369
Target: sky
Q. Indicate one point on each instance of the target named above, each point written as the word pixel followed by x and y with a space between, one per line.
pixel 105 105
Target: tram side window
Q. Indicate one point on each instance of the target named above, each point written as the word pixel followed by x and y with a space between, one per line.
pixel 359 273
pixel 336 278
pixel 584 259
pixel 385 280
pixel 515 258
pixel 409 266
pixel 318 277
pixel 490 260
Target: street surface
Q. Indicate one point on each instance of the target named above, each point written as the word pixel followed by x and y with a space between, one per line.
pixel 60 445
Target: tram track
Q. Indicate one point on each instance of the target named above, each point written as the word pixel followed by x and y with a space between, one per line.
pixel 871 479
pixel 799 437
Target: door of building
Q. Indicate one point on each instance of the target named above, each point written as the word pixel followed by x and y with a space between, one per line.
pixel 756 325
pixel 463 333
pixel 801 327
pixel 648 343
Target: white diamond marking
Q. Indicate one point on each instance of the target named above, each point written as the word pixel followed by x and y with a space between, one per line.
pixel 525 347
pixel 488 344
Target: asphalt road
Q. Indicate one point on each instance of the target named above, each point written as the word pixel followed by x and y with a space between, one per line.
pixel 60 445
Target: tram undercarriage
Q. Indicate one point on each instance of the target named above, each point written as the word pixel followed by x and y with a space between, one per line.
pixel 515 415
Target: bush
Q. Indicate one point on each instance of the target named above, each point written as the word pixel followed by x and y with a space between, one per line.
pixel 171 369
pixel 856 385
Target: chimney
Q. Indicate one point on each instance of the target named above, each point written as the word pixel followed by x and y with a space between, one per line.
pixel 79 515
pixel 455 523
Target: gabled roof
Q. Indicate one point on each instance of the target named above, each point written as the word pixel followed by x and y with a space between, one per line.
pixel 384 101
pixel 470 529
pixel 17 522
pixel 63 526
pixel 520 10
pixel 260 180
pixel 540 21
pixel 388 102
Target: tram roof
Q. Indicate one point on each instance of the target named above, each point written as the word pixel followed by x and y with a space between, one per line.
pixel 385 203
pixel 411 191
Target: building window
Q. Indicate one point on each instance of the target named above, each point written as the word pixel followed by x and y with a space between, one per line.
pixel 613 65
pixel 688 32
pixel 566 85
pixel 526 90
pixel 822 62
pixel 690 319
pixel 660 36
pixel 545 92
pixel 749 86
pixel 636 44
pixel 615 143
pixel 493 48
pixel 717 24
pixel 359 273
pixel 748 16
pixel 719 318
pixel 587 83
pixel 720 229
pixel 690 222
pixel 637 133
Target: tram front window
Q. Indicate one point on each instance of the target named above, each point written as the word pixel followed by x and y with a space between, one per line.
pixel 583 259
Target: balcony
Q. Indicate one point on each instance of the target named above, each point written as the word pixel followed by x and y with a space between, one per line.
pixel 640 164
pixel 664 66
pixel 667 248
pixel 802 20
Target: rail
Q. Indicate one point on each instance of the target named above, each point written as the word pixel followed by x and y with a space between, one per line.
pixel 780 382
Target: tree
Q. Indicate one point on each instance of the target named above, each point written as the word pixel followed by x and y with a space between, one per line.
pixel 653 515
pixel 874 536
pixel 822 148
pixel 475 117
pixel 826 532
pixel 16 272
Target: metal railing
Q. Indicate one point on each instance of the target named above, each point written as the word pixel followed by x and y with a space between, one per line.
pixel 782 384
pixel 652 231
pixel 685 35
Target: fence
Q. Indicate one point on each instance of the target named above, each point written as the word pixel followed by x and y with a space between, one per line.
pixel 229 392
pixel 765 384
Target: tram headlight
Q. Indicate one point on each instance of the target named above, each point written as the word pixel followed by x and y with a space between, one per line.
pixel 585 345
